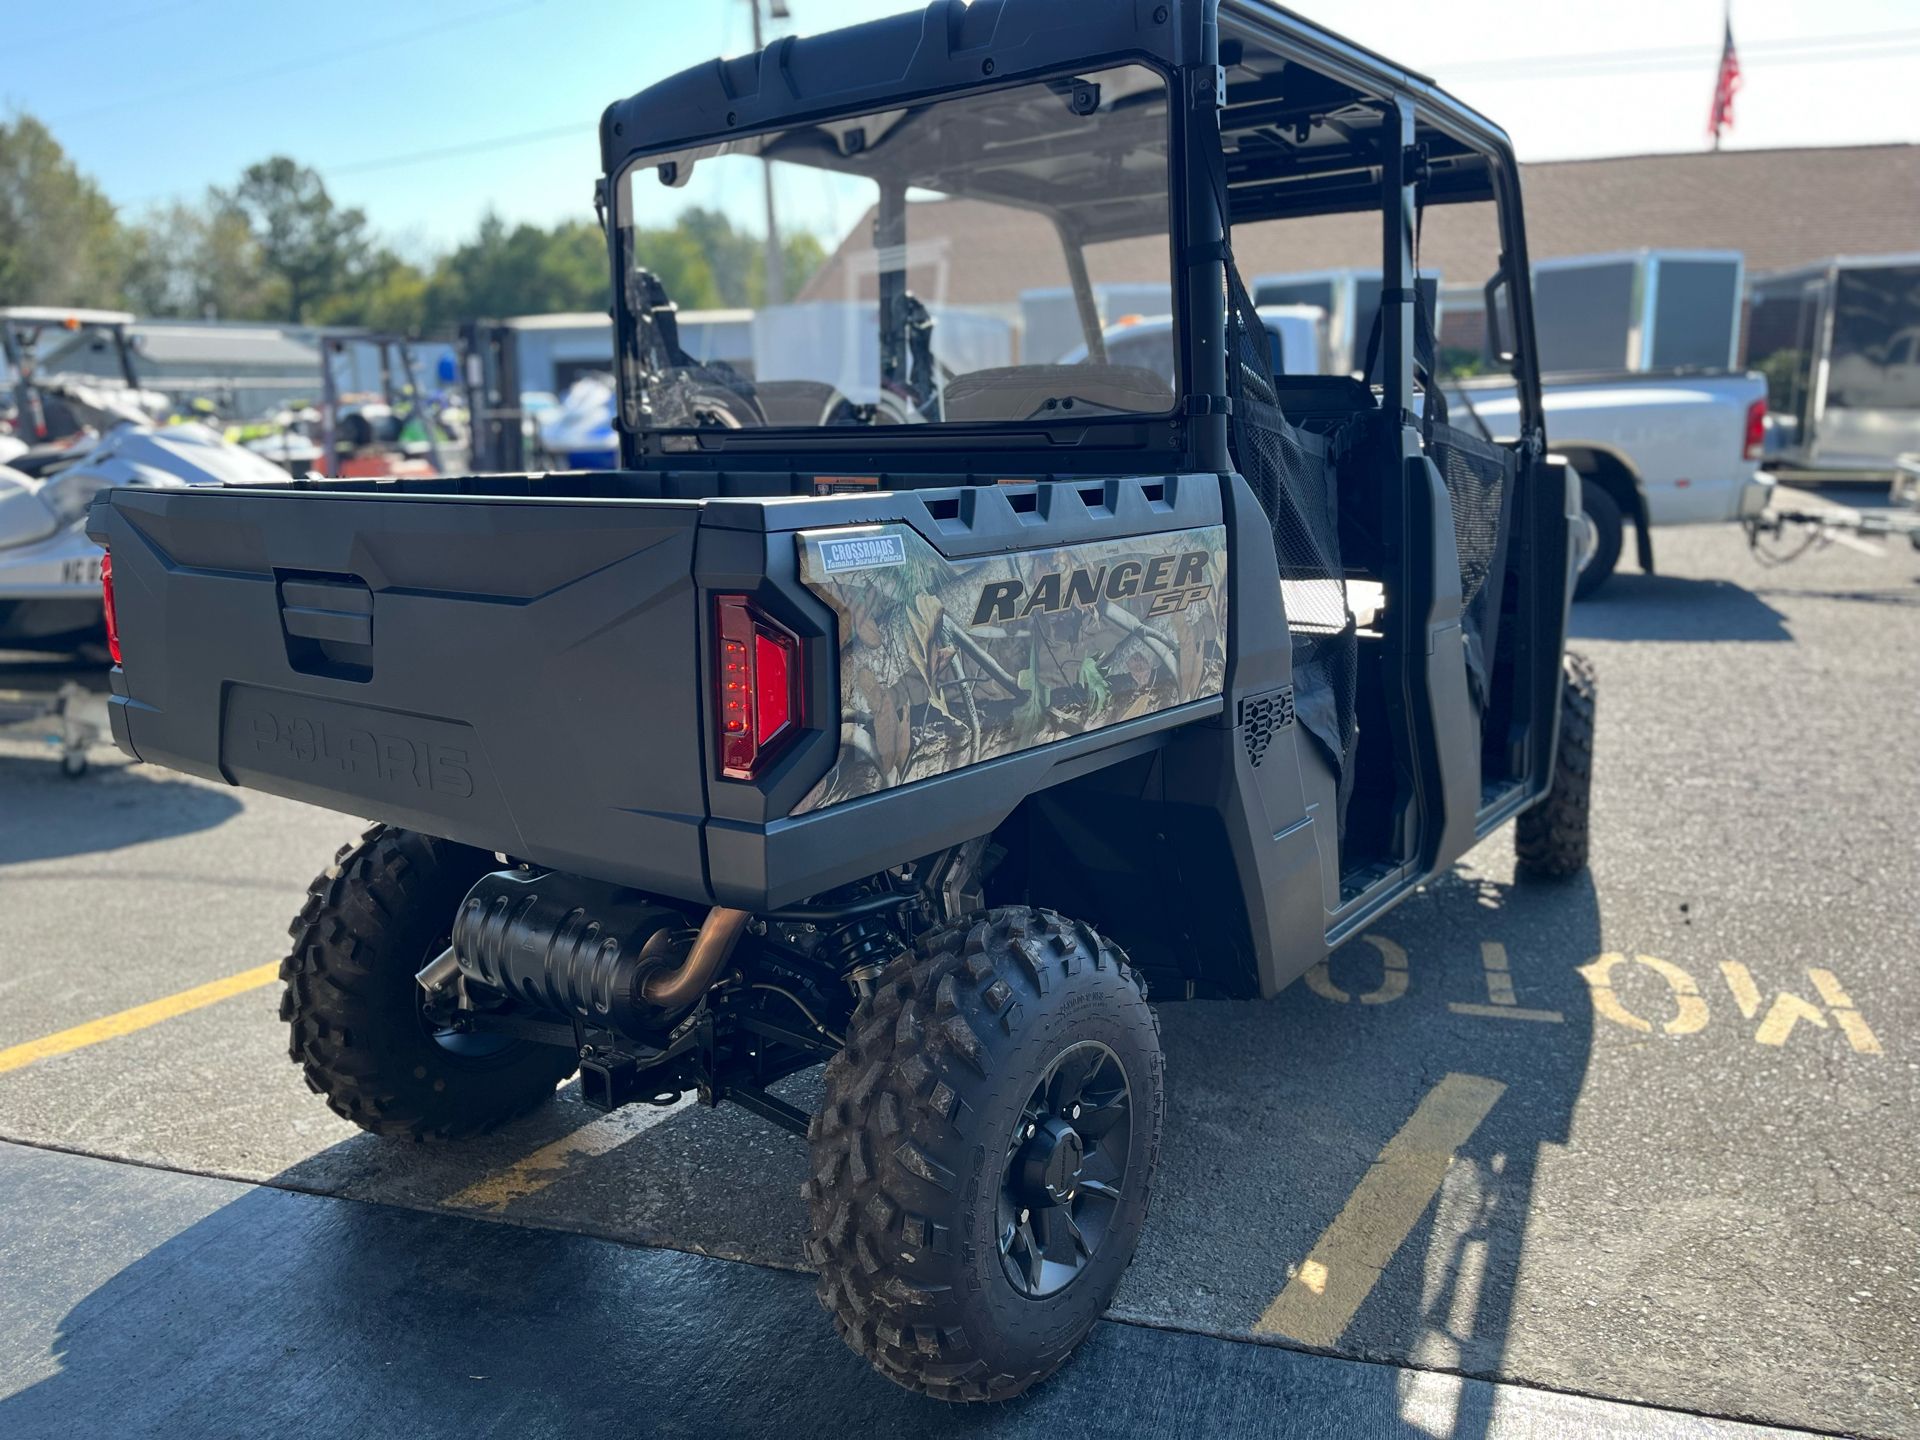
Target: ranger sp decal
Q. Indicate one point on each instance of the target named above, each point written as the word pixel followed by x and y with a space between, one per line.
pixel 1173 582
pixel 946 663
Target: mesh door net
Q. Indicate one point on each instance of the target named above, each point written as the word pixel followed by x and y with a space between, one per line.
pixel 1291 476
pixel 1480 479
pixel 1479 476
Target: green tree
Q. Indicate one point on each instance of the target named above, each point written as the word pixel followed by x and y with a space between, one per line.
pixel 276 246
pixel 60 242
pixel 522 270
pixel 310 248
pixel 806 253
pixel 388 293
pixel 685 266
pixel 200 261
pixel 737 260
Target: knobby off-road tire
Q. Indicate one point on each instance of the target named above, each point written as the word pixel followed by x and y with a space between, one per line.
pixel 1551 839
pixel 910 1150
pixel 372 920
pixel 1608 533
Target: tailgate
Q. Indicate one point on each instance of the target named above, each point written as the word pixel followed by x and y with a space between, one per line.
pixel 519 675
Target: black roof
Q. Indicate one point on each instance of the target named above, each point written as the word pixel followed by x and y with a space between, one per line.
pixel 951 44
pixel 882 61
pixel 1304 131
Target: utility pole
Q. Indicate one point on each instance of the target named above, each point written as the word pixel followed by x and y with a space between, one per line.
pixel 776 257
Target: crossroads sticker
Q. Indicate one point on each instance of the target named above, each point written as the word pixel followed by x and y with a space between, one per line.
pixel 861 552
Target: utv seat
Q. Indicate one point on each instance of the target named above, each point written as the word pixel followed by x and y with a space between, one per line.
pixel 1322 402
pixel 796 402
pixel 37 461
pixel 1026 392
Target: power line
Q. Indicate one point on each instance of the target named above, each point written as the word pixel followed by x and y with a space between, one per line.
pixel 503 142
pixel 448 152
pixel 305 62
pixel 64 35
pixel 1763 49
pixel 422 157
pixel 1704 60
pixel 1811 50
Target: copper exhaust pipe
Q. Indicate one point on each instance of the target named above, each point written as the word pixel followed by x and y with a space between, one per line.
pixel 678 988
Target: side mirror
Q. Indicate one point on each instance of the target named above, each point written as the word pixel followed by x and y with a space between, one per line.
pixel 1495 295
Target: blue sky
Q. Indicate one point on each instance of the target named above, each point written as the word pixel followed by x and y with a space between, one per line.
pixel 162 97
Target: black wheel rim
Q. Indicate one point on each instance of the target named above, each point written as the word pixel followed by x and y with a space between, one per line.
pixel 1066 1170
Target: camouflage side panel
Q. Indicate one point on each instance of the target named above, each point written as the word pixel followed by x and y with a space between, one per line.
pixel 945 663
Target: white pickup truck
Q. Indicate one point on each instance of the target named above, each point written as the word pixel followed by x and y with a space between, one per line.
pixel 1674 447
pixel 1665 448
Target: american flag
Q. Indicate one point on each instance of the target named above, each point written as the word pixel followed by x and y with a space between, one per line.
pixel 1724 87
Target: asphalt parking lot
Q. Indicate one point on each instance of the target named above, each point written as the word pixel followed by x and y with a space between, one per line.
pixel 1530 1153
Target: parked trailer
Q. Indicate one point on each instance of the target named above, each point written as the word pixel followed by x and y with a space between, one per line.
pixel 1839 343
pixel 1639 311
pixel 1350 298
pixel 1051 323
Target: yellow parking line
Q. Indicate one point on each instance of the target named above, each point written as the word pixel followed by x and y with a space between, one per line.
pixel 1321 1300
pixel 533 1173
pixel 1506 1012
pixel 138 1018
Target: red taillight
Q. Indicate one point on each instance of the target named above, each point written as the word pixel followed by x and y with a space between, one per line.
pixel 757 677
pixel 1756 430
pixel 772 687
pixel 106 596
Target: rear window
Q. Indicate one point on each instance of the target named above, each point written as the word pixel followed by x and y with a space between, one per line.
pixel 937 263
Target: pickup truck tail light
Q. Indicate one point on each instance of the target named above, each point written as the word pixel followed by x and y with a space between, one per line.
pixel 1756 430
pixel 757 679
pixel 113 617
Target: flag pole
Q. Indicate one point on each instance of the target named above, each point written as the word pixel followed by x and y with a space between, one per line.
pixel 1727 28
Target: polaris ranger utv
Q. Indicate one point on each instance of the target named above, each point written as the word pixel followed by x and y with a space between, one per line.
pixel 905 701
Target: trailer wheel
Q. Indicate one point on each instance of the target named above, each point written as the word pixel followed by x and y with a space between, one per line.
pixel 984 1152
pixel 372 920
pixel 1603 515
pixel 1551 839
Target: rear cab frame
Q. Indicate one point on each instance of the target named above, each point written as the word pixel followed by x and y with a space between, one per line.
pixel 528 664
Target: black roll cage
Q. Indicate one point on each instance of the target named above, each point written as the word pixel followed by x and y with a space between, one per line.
pixel 20 343
pixel 1446 153
pixel 396 355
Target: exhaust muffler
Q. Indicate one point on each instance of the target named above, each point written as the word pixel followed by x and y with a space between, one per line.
pixel 584 949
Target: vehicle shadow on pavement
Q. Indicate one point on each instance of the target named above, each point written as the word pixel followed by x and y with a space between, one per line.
pixel 44 815
pixel 1900 598
pixel 1675 607
pixel 1283 1199
pixel 268 1311
pixel 283 1313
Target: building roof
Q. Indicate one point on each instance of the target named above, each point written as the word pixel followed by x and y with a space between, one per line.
pixel 563 320
pixel 1780 208
pixel 60 315
pixel 163 342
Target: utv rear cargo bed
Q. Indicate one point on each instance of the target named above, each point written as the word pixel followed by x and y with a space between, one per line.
pixel 456 666
pixel 524 671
